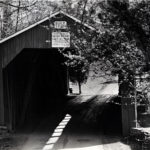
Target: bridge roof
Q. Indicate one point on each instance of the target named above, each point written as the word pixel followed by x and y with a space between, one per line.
pixel 43 20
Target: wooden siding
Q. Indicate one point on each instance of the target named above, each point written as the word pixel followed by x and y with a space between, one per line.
pixel 36 37
pixel 33 38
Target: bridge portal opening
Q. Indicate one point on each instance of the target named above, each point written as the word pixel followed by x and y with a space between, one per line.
pixel 35 84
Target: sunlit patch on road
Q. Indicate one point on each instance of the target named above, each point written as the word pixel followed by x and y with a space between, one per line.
pixel 97 147
pixel 57 133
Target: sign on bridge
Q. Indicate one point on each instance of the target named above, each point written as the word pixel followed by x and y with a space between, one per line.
pixel 60 25
pixel 60 39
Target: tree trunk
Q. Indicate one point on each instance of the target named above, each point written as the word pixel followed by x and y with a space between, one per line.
pixel 18 11
pixel 79 83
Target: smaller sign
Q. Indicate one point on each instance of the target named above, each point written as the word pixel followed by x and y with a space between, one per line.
pixel 60 39
pixel 60 25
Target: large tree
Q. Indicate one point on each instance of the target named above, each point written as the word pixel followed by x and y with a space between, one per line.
pixel 124 41
pixel 132 19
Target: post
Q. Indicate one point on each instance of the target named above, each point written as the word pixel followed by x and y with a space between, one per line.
pixel 133 113
pixel 129 115
pixel 2 122
pixel 125 117
pixel 129 106
pixel 68 86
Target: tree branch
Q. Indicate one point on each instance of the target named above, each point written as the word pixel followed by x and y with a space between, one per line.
pixel 84 10
pixel 15 6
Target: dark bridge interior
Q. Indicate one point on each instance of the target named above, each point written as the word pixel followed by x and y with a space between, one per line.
pixel 35 83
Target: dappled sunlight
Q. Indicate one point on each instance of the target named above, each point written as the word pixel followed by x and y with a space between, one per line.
pixel 111 88
pixel 96 147
pixel 57 133
pixel 109 146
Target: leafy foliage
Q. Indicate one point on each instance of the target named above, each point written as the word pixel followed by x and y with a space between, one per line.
pixel 131 19
pixel 78 69
pixel 124 40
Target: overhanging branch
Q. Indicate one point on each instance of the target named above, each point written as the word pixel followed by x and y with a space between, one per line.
pixel 17 6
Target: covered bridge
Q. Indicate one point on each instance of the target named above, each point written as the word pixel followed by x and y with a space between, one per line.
pixel 33 78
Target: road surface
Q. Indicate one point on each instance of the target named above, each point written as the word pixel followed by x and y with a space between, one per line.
pixel 72 131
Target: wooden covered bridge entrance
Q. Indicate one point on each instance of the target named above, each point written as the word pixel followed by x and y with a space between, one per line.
pixel 32 74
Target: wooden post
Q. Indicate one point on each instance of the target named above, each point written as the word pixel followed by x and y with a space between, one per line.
pixel 129 116
pixel 2 122
pixel 129 108
pixel 68 86
pixel 125 117
pixel 133 113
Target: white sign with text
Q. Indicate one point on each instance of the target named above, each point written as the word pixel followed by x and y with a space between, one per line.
pixel 60 39
pixel 60 25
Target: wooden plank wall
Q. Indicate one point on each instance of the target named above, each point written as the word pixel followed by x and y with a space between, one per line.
pixel 33 38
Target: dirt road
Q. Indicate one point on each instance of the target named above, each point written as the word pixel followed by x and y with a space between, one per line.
pixel 62 131
pixel 78 136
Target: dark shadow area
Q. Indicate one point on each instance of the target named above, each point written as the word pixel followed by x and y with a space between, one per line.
pixel 35 85
pixel 100 111
pixel 86 127
pixel 108 82
pixel 110 119
pixel 42 124
pixel 90 122
pixel 39 129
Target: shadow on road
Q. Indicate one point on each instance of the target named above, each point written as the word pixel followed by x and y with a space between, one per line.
pixel 91 124
pixel 100 111
pixel 35 133
pixel 80 135
pixel 94 123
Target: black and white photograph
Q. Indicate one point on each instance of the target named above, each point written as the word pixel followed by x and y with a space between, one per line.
pixel 74 74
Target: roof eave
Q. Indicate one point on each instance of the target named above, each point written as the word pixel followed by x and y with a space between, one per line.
pixel 43 20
